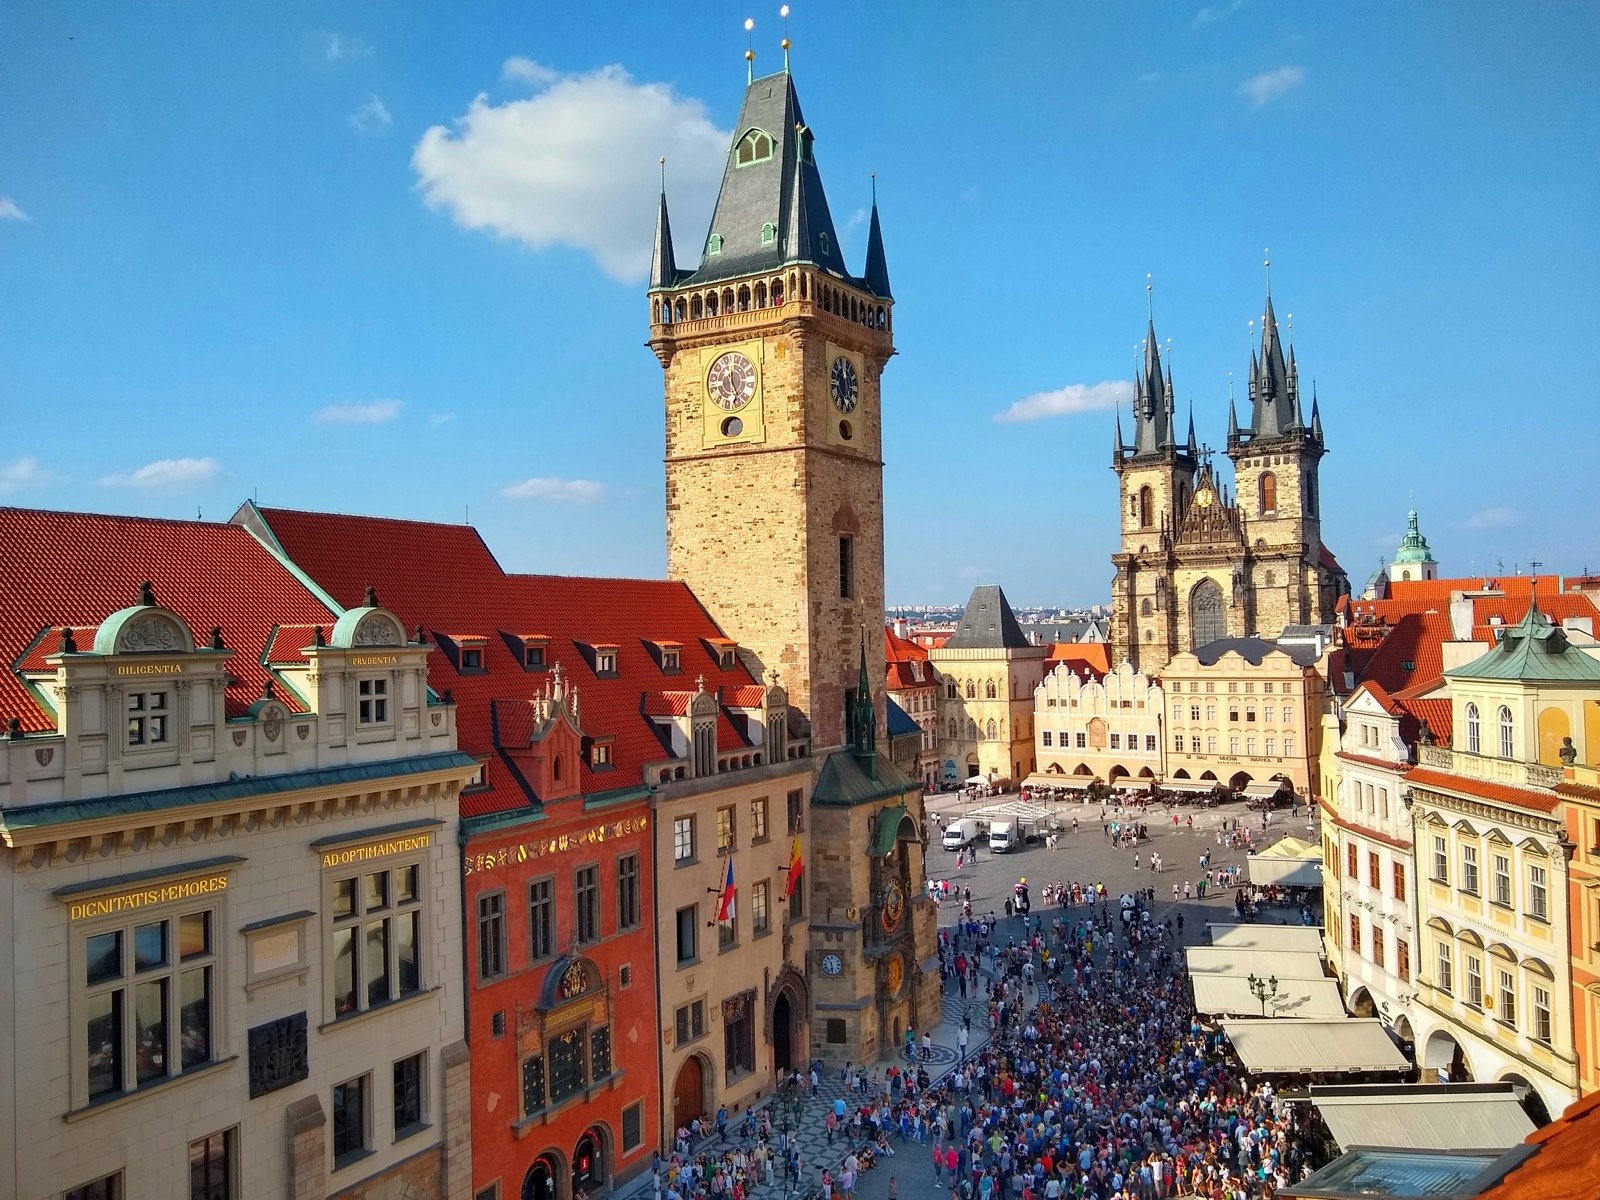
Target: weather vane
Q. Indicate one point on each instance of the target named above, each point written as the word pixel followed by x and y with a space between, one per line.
pixel 784 13
pixel 749 50
pixel 1149 298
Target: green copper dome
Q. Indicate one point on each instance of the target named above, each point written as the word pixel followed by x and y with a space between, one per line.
pixel 1413 547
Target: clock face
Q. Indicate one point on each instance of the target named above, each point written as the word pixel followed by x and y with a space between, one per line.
pixel 842 383
pixel 832 964
pixel 731 381
pixel 894 906
pixel 894 974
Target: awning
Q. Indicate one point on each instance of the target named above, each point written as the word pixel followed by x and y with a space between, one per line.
pixel 1288 862
pixel 1263 790
pixel 1425 1116
pixel 1230 996
pixel 1231 960
pixel 1345 1044
pixel 1304 938
pixel 1187 785
pixel 1126 784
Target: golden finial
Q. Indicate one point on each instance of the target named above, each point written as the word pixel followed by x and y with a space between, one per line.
pixel 784 13
pixel 749 50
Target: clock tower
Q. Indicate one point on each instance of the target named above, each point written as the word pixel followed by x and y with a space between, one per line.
pixel 773 350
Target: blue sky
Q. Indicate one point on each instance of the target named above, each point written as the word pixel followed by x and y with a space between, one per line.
pixel 389 258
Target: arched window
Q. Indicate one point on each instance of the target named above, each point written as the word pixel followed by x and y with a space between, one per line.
pixel 972 731
pixel 988 690
pixel 1269 492
pixel 1504 717
pixel 953 733
pixel 753 147
pixel 714 244
pixel 1207 619
pixel 555 768
pixel 1146 508
pixel 1146 607
pixel 990 730
pixel 972 690
pixel 1474 734
pixel 949 689
pixel 769 234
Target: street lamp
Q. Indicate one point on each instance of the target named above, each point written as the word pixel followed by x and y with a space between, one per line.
pixel 1263 989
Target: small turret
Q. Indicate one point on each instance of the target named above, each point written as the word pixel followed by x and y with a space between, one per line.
pixel 1316 419
pixel 1194 446
pixel 876 276
pixel 1118 449
pixel 1233 419
pixel 663 265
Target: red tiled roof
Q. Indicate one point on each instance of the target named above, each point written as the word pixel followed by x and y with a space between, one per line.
pixel 749 695
pixel 1486 789
pixel 444 577
pixel 667 704
pixel 288 643
pixel 1414 638
pixel 899 649
pixel 1438 591
pixel 50 643
pixel 1511 610
pixel 1382 764
pixel 1567 1162
pixel 1094 655
pixel 77 568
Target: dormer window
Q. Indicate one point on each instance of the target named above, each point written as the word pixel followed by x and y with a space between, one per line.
pixel 600 754
pixel 532 648
pixel 753 147
pixel 533 656
pixel 471 659
pixel 147 719
pixel 671 659
pixel 769 234
pixel 605 660
pixel 822 241
pixel 714 244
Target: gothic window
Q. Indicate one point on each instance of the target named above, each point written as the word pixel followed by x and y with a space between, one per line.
pixel 1269 493
pixel 972 731
pixel 950 689
pixel 972 690
pixel 1146 607
pixel 753 147
pixel 988 690
pixel 1146 508
pixel 1504 717
pixel 991 731
pixel 1474 733
pixel 953 733
pixel 1207 620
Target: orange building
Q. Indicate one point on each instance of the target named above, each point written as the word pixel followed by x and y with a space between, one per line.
pixel 1580 794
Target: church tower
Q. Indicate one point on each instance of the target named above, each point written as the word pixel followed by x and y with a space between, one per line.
pixel 1293 579
pixel 773 350
pixel 1156 479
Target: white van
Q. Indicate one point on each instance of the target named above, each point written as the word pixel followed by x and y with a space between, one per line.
pixel 960 834
pixel 1004 837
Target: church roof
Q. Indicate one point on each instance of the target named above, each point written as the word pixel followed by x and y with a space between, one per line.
pixel 988 623
pixel 782 190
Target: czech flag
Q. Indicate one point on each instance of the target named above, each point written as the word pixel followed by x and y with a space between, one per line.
pixel 726 906
pixel 795 867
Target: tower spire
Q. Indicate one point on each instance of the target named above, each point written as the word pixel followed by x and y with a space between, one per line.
pixel 876 275
pixel 1118 449
pixel 865 718
pixel 663 264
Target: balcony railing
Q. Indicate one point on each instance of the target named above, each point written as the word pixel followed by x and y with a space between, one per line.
pixel 1482 766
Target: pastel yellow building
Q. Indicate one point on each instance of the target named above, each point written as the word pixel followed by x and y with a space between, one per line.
pixel 989 669
pixel 1087 729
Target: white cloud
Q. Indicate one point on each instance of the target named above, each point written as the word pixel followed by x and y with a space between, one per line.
pixel 1269 85
pixel 24 473
pixel 525 70
pixel 971 572
pixel 570 491
pixel 1074 398
pixel 575 165
pixel 338 48
pixel 167 473
pixel 441 419
pixel 372 117
pixel 9 211
pixel 375 413
pixel 1493 518
pixel 1210 14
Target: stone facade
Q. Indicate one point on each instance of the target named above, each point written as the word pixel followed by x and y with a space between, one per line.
pixel 1194 564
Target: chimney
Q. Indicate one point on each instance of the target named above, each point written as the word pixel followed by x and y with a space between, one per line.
pixel 900 627
pixel 1460 618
